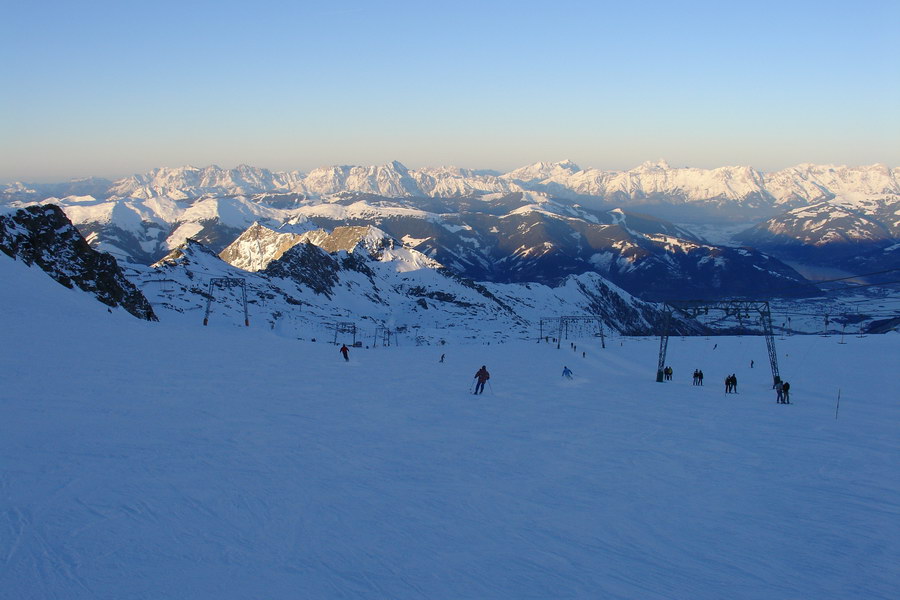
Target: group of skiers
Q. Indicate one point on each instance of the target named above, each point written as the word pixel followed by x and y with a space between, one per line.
pixel 731 384
pixel 782 388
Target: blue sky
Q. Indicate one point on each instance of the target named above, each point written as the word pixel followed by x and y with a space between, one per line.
pixel 114 88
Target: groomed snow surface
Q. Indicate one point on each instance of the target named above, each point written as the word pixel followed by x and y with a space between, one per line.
pixel 148 461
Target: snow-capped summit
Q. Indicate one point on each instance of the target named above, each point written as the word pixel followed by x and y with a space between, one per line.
pixel 259 246
pixel 651 165
pixel 542 171
pixel 392 179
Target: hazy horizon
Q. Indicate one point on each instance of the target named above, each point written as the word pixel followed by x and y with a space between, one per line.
pixel 111 89
pixel 409 166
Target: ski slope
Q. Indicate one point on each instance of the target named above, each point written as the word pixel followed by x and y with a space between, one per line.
pixel 150 460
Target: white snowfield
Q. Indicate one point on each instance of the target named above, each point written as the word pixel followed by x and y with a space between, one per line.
pixel 151 460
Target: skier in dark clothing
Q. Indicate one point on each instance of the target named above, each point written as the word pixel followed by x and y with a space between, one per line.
pixel 779 392
pixel 731 384
pixel 346 352
pixel 442 358
pixel 482 376
pixel 699 377
pixel 567 373
pixel 696 377
pixel 785 390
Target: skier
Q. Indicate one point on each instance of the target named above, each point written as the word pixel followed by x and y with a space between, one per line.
pixel 728 384
pixel 567 373
pixel 786 389
pixel 733 383
pixel 442 358
pixel 699 377
pixel 346 352
pixel 696 377
pixel 482 376
pixel 779 392
pixel 751 364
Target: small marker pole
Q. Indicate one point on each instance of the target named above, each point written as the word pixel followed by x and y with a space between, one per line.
pixel 838 404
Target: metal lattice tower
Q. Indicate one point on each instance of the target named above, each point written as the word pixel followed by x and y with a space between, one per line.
pixel 226 282
pixel 732 308
pixel 563 323
pixel 344 327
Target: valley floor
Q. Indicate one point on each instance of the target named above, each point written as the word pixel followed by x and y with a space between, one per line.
pixel 143 460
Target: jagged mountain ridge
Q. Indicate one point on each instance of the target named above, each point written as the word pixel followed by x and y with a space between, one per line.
pixel 806 183
pixel 43 236
pixel 370 278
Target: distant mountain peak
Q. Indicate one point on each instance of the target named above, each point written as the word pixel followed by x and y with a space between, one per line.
pixel 397 166
pixel 660 164
pixel 568 165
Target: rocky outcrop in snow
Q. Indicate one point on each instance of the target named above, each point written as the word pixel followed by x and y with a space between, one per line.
pixel 43 236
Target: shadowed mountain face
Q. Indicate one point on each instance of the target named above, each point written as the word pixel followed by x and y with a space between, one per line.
pixel 832 237
pixel 44 237
pixel 648 257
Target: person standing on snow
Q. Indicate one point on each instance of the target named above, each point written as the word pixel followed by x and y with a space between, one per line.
pixel 567 372
pixel 346 352
pixel 482 376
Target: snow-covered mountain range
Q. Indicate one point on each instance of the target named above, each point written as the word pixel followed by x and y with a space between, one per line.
pixel 539 223
pixel 649 183
pixel 302 284
pixel 297 283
